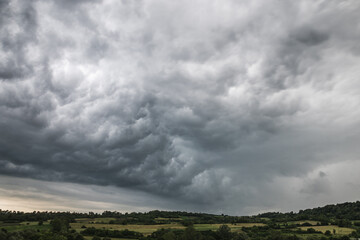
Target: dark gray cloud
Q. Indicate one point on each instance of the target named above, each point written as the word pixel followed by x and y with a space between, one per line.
pixel 194 103
pixel 18 28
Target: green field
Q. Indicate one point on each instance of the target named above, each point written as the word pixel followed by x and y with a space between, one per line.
pixel 323 229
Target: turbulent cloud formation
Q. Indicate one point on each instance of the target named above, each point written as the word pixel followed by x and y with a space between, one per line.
pixel 213 105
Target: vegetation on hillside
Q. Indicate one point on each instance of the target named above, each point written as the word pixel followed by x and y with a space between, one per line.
pixel 332 222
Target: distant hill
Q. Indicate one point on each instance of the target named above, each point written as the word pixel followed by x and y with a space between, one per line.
pixel 347 211
pixel 329 213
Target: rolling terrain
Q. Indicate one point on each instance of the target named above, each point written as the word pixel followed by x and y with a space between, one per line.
pixel 341 221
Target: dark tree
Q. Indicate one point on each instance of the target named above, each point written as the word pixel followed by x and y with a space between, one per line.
pixel 59 225
pixel 224 232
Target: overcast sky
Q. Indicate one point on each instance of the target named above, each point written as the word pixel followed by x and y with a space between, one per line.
pixel 218 106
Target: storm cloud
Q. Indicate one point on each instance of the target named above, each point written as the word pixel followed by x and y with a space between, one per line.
pixel 212 105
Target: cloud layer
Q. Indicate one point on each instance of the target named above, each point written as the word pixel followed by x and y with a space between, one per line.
pixel 206 103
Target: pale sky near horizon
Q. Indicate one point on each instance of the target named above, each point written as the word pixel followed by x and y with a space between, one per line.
pixel 235 107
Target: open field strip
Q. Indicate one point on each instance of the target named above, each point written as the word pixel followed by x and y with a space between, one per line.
pixel 234 227
pixel 314 223
pixel 338 230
